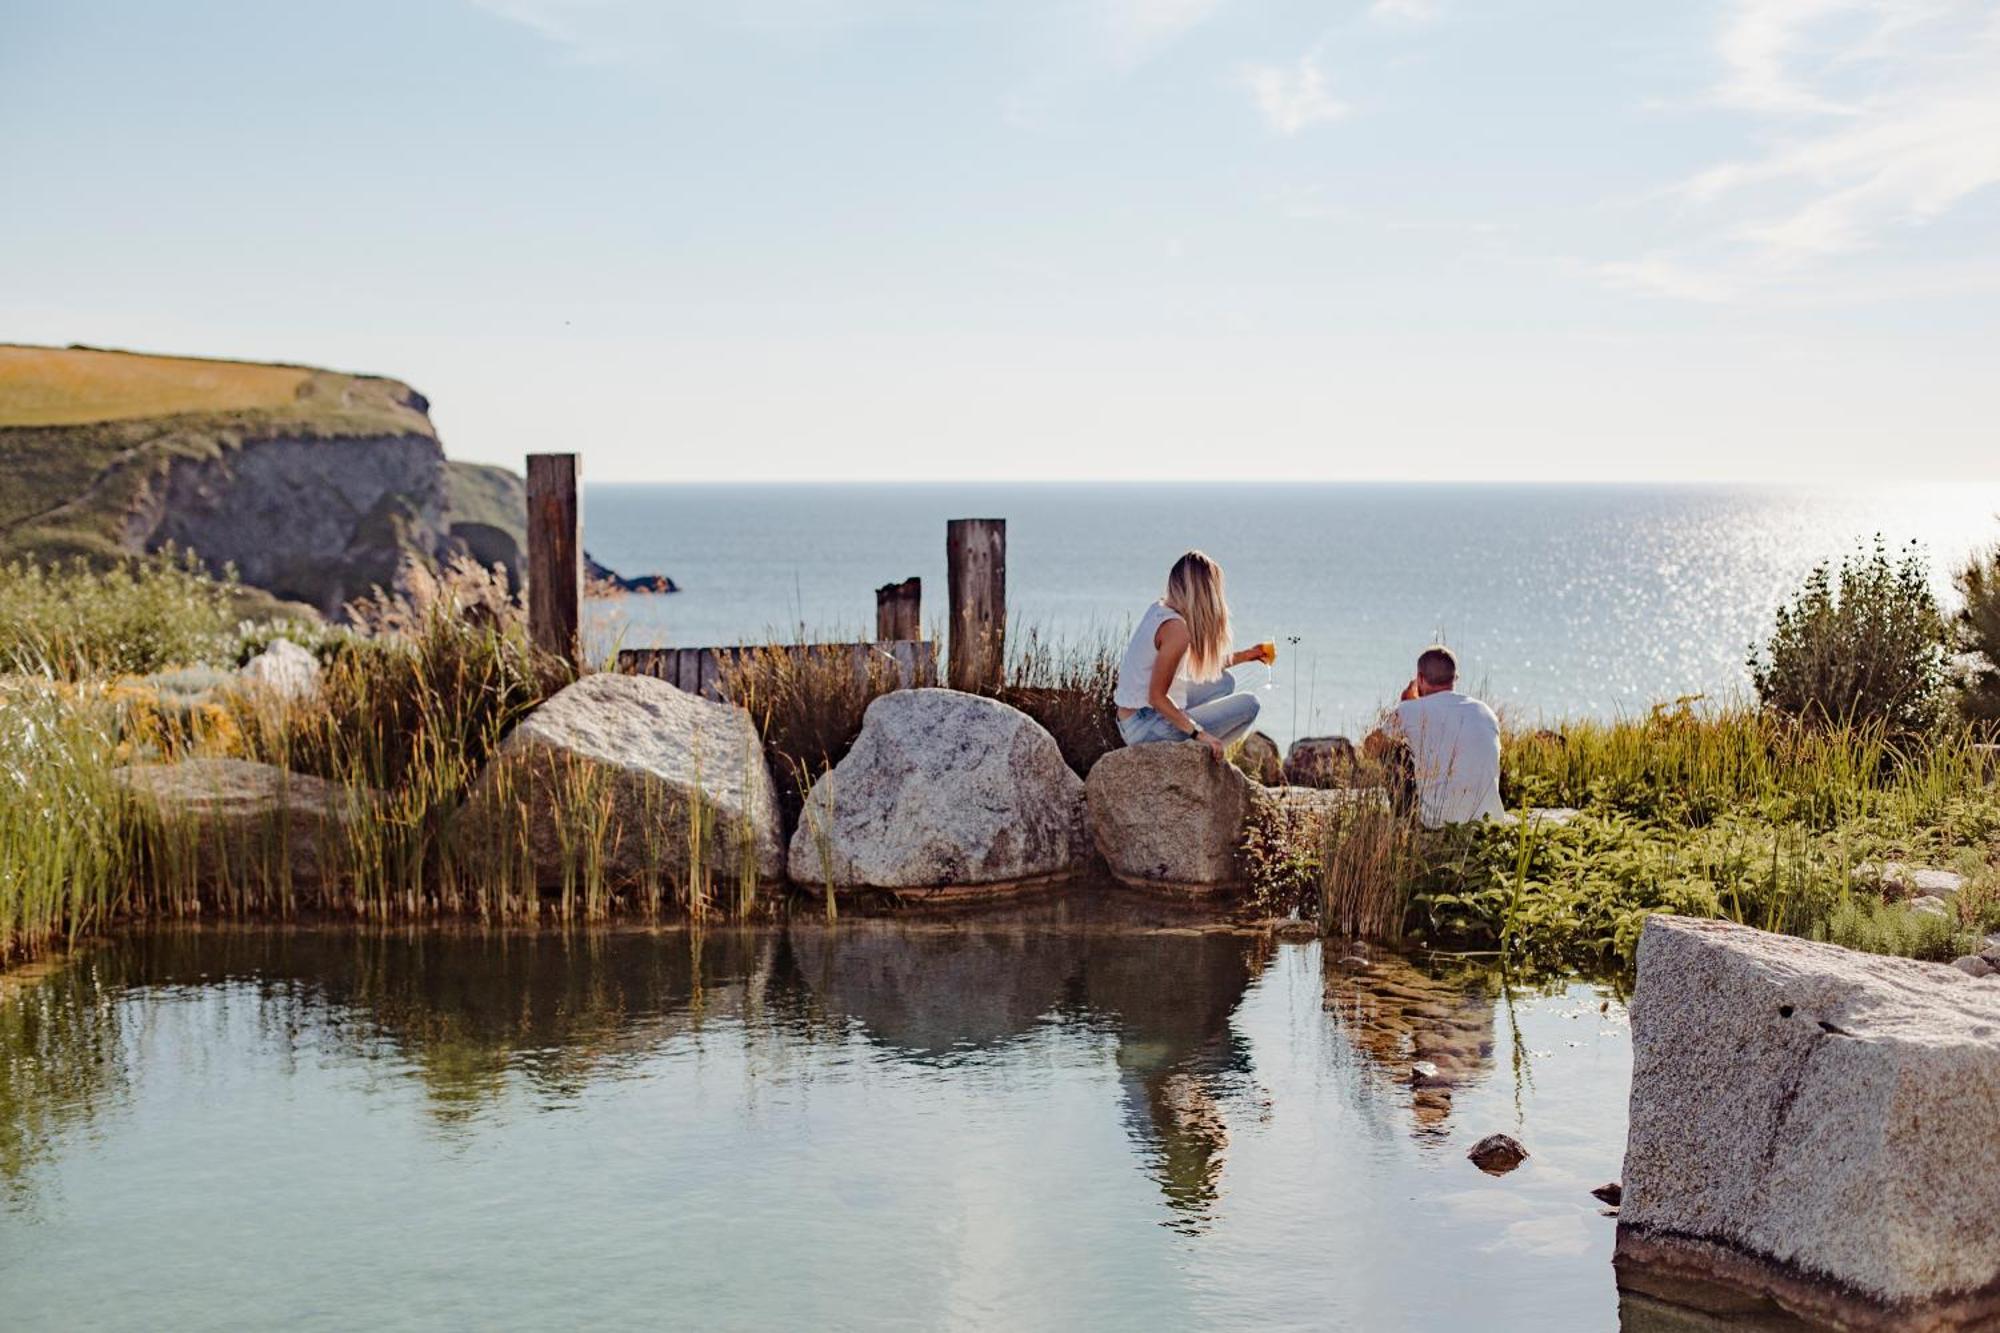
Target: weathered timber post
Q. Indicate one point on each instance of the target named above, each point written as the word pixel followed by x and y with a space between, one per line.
pixel 975 551
pixel 899 611
pixel 555 554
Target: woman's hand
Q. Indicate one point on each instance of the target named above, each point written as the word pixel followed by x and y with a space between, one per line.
pixel 1214 744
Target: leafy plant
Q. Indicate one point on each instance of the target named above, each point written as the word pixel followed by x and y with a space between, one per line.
pixel 1861 645
pixel 1977 630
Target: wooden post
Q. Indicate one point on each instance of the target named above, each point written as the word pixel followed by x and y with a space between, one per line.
pixel 555 554
pixel 899 611
pixel 975 552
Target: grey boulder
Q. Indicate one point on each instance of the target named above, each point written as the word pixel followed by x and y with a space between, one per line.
pixel 1805 1119
pixel 616 771
pixel 943 794
pixel 239 822
pixel 1170 815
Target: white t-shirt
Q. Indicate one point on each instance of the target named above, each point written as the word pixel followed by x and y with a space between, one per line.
pixel 1135 670
pixel 1455 743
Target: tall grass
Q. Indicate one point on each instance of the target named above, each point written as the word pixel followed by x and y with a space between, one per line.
pixel 806 700
pixel 63 850
pixel 1066 685
pixel 1736 813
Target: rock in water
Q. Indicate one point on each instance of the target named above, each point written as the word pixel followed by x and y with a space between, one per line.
pixel 238 822
pixel 284 669
pixel 1259 759
pixel 1169 815
pixel 1803 1114
pixel 1320 761
pixel 609 768
pixel 1497 1154
pixel 1612 1193
pixel 942 791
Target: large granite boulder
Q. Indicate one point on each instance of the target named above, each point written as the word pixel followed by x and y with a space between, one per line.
pixel 1807 1120
pixel 943 794
pixel 249 825
pixel 1169 815
pixel 610 770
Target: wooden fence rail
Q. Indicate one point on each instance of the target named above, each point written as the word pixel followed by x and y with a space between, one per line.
pixel 701 670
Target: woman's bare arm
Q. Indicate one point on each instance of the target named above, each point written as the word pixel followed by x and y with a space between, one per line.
pixel 1171 639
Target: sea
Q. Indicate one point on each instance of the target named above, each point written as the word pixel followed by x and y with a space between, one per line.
pixel 1561 601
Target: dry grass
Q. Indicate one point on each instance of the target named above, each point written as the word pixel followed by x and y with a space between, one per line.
pixel 807 705
pixel 1067 687
pixel 62 386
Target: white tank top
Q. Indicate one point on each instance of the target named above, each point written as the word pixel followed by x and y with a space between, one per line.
pixel 1135 669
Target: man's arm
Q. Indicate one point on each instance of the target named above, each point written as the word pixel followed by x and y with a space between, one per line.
pixel 1387 734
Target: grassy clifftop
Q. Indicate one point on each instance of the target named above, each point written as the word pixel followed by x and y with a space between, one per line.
pixel 109 454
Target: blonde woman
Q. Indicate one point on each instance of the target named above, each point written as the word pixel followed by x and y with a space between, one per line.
pixel 1173 682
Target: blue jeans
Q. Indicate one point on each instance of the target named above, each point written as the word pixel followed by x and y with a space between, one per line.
pixel 1222 712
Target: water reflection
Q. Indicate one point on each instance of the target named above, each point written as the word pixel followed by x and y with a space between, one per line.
pixel 1163 997
pixel 1423 1033
pixel 468 1015
pixel 1048 1118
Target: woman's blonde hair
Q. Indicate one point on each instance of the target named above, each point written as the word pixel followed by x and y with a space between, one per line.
pixel 1195 590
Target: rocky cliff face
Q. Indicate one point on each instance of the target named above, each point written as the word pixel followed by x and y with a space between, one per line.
pixel 314 521
pixel 316 485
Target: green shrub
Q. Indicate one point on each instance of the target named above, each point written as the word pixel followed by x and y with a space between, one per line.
pixel 1977 629
pixel 1862 645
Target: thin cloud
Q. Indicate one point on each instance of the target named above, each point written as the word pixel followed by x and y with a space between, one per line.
pixel 1874 118
pixel 1292 98
pixel 1415 13
pixel 1138 30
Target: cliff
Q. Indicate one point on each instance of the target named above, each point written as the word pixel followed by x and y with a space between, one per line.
pixel 315 485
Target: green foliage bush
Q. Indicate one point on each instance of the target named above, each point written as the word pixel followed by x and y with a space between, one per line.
pixel 76 620
pixel 1862 645
pixel 1977 629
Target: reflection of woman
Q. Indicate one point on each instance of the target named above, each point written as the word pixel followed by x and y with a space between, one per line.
pixel 1173 682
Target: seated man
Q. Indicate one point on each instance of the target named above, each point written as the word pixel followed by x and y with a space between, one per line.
pixel 1454 744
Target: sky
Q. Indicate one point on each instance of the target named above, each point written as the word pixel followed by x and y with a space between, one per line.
pixel 1106 239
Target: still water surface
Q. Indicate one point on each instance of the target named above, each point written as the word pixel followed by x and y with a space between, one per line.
pixel 1041 1121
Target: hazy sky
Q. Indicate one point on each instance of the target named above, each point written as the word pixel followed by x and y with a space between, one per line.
pixel 1048 238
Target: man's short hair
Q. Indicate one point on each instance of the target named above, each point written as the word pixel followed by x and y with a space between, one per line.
pixel 1437 666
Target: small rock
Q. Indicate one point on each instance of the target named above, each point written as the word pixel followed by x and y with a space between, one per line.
pixel 1296 930
pixel 1320 761
pixel 1354 962
pixel 1973 966
pixel 1930 906
pixel 1497 1154
pixel 284 669
pixel 1422 1069
pixel 1910 881
pixel 1259 759
pixel 1613 1193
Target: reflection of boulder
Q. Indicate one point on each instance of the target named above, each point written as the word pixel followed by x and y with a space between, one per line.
pixel 465 1010
pixel 1418 1031
pixel 931 992
pixel 1167 996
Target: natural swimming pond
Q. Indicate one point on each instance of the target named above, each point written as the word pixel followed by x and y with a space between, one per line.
pixel 1023 1121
